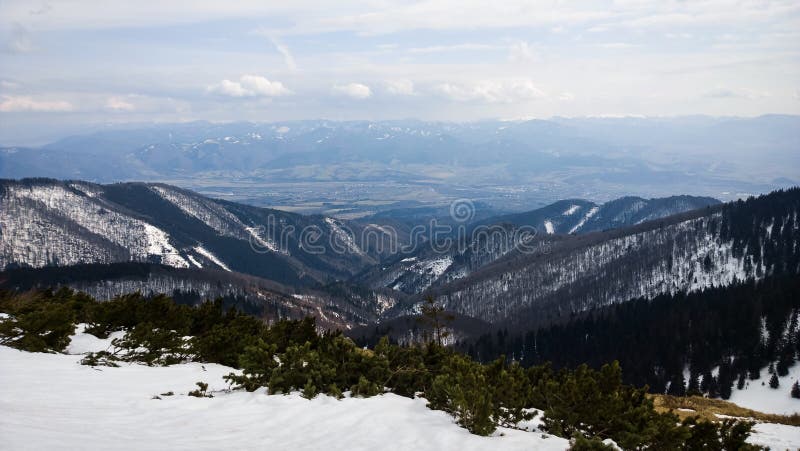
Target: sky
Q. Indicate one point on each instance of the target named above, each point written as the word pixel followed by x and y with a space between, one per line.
pixel 71 65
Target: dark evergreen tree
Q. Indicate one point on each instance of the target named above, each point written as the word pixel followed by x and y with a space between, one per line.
pixel 694 385
pixel 741 381
pixel 677 386
pixel 795 390
pixel 773 381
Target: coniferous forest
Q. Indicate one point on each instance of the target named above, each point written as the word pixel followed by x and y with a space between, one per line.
pixel 739 330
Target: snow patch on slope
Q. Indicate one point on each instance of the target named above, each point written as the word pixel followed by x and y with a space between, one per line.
pixel 213 215
pixel 205 253
pixel 158 244
pixel 548 227
pixel 194 261
pixel 769 400
pixel 32 245
pixel 593 211
pixel 571 210
pixel 435 267
pixel 342 237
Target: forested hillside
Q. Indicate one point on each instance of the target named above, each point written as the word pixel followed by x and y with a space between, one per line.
pixel 707 248
pixel 711 342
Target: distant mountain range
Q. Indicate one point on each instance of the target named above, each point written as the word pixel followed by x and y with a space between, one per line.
pixel 510 164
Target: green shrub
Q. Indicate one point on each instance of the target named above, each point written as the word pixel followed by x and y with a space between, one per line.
pixel 461 389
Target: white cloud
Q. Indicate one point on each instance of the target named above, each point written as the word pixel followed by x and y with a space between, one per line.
pixel 19 40
pixel 451 48
pixel 521 52
pixel 119 104
pixel 492 91
pixel 16 104
pixel 729 93
pixel 288 58
pixel 250 86
pixel 566 96
pixel 617 45
pixel 400 87
pixel 354 90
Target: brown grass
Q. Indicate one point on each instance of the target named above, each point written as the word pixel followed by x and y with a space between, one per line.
pixel 708 409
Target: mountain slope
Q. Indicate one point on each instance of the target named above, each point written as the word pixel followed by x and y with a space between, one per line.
pixel 46 222
pixel 490 239
pixel 581 216
pixel 682 253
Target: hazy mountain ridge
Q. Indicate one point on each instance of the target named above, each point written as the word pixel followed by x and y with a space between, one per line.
pixel 564 157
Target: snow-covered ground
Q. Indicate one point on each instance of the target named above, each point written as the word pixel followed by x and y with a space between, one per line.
pixel 776 436
pixel 758 395
pixel 50 401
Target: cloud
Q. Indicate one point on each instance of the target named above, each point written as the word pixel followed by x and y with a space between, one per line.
pixel 43 9
pixel 521 52
pixel 492 91
pixel 5 84
pixel 728 93
pixel 721 93
pixel 617 45
pixel 354 90
pixel 119 104
pixel 566 96
pixel 400 87
pixel 250 86
pixel 19 40
pixel 16 104
pixel 451 48
pixel 287 55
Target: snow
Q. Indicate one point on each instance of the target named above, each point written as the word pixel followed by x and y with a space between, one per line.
pixel 548 227
pixel 775 436
pixel 593 211
pixel 215 216
pixel 194 261
pixel 768 400
pixel 83 343
pixel 205 253
pixel 35 234
pixel 343 237
pixel 49 401
pixel 435 267
pixel 571 210
pixel 158 244
pixel 253 232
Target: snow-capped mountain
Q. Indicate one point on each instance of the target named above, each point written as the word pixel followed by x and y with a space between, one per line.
pixel 561 156
pixel 492 238
pixel 46 222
